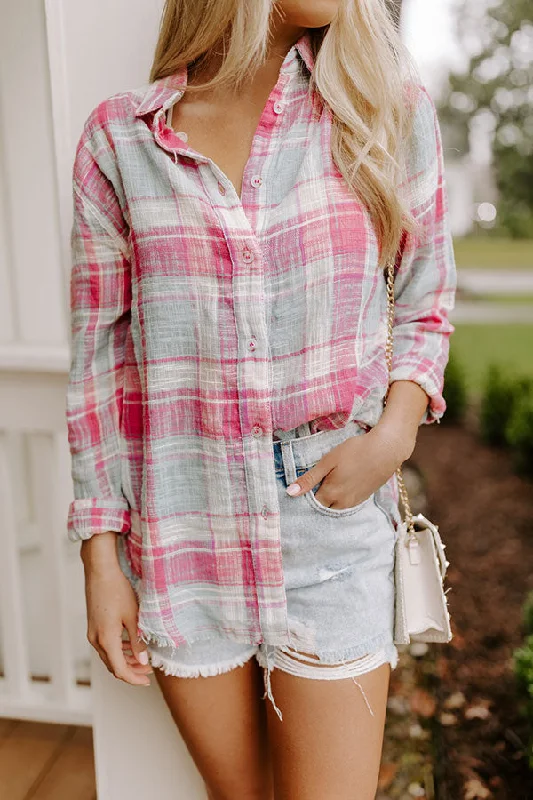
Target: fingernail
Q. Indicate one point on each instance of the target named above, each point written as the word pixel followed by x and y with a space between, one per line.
pixel 143 657
pixel 293 489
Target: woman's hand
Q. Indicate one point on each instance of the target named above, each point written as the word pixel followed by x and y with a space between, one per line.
pixel 112 605
pixel 359 466
pixel 353 470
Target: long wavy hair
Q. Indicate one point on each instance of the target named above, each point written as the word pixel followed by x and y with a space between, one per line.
pixel 362 72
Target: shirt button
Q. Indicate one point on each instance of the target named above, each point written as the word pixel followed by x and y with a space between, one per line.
pixel 264 512
pixel 247 256
pixel 257 431
pixel 252 344
pixel 278 107
pixel 221 188
pixel 256 181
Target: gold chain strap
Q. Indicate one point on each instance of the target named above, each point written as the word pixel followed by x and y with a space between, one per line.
pixel 389 350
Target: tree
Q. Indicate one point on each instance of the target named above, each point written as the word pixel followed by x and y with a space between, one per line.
pixel 497 86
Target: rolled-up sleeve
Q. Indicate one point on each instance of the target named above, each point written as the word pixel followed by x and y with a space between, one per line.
pixel 425 281
pixel 100 303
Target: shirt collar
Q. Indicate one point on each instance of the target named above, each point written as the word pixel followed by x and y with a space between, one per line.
pixel 304 48
pixel 162 92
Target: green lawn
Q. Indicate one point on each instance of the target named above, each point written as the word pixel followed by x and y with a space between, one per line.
pixel 492 253
pixel 476 346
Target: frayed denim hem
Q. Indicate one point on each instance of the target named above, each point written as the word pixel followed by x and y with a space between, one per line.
pixel 203 671
pixel 288 660
pixel 326 665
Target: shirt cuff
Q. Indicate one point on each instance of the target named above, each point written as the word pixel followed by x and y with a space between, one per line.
pixel 437 404
pixel 87 516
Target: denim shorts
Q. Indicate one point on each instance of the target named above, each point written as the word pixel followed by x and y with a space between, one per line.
pixel 338 569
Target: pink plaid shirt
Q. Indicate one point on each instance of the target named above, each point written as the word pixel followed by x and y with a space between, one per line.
pixel 203 322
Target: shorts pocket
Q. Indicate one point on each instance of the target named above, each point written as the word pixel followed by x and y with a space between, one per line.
pixel 316 505
pixel 385 503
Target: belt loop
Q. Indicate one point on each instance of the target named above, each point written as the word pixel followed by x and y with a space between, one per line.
pixel 288 461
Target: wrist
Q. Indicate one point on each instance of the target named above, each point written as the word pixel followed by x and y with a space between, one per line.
pixel 100 552
pixel 399 441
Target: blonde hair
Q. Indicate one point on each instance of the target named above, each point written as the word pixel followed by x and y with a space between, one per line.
pixel 360 72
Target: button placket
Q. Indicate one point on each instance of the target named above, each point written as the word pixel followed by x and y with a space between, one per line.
pixel 241 223
pixel 251 319
pixel 278 106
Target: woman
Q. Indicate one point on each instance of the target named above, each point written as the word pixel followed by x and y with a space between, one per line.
pixel 231 458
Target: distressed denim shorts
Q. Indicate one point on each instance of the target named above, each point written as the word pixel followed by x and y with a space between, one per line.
pixel 339 579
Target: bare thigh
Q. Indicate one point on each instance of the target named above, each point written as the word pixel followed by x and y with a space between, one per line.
pixel 222 720
pixel 328 745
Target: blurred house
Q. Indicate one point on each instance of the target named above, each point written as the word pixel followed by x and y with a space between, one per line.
pixel 468 184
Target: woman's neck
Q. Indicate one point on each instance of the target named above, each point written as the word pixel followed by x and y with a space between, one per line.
pixel 282 37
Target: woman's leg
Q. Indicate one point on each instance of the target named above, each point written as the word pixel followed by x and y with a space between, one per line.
pixel 329 744
pixel 222 720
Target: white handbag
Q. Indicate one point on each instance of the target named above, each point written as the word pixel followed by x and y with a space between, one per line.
pixel 420 607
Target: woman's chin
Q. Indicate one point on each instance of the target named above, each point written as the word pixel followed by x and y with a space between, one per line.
pixel 309 13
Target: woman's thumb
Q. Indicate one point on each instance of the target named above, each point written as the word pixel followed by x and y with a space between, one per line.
pixel 138 647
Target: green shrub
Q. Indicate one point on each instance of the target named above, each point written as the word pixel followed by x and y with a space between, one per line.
pixel 516 221
pixel 499 398
pixel 527 614
pixel 519 430
pixel 523 669
pixel 455 392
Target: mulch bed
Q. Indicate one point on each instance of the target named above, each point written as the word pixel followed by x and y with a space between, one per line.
pixel 485 516
pixel 408 759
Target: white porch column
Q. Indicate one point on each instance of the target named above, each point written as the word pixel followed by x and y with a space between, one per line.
pixel 59 59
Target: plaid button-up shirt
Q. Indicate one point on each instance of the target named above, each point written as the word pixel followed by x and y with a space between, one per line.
pixel 202 322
